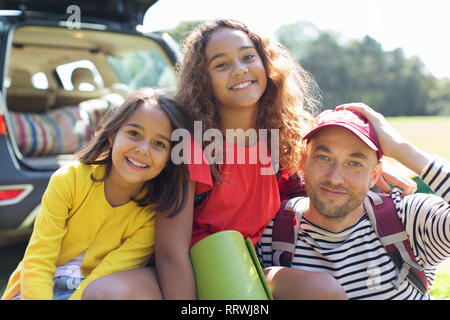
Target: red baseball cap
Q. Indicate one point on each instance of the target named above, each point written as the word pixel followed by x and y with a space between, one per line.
pixel 352 121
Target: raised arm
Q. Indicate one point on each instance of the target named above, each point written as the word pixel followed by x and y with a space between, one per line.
pixel 426 216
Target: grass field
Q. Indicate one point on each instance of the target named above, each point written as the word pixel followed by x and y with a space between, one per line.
pixel 431 134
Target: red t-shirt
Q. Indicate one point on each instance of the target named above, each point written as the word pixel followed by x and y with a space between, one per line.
pixel 245 201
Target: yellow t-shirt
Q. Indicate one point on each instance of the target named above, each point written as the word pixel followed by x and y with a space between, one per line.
pixel 76 217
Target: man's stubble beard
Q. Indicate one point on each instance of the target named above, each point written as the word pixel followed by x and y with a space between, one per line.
pixel 326 208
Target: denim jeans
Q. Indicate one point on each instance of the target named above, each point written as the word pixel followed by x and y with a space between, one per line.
pixel 63 288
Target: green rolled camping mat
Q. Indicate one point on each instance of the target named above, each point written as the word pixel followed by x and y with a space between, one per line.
pixel 226 268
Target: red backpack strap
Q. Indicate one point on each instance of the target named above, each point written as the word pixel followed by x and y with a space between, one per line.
pixel 285 230
pixel 290 185
pixel 391 232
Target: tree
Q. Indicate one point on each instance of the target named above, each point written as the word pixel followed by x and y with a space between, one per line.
pixel 360 70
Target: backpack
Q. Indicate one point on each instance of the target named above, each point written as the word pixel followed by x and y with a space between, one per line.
pixel 383 215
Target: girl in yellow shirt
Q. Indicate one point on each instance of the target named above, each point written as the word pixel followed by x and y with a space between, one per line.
pixel 97 215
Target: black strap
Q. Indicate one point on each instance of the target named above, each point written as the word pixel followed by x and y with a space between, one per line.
pixel 412 276
pixel 199 198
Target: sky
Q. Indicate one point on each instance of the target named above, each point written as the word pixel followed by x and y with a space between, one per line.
pixel 419 27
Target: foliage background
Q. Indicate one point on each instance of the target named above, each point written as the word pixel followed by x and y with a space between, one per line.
pixel 359 70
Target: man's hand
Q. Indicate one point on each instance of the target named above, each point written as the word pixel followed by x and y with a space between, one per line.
pixel 388 137
pixel 408 185
pixel 391 143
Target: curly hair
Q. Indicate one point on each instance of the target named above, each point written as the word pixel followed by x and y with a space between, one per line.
pixel 288 103
pixel 168 190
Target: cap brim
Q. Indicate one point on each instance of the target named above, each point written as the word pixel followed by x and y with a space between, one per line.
pixel 352 129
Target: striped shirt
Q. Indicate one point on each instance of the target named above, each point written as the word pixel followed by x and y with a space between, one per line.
pixel 356 257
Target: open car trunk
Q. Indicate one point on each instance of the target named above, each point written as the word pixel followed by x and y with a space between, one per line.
pixel 60 82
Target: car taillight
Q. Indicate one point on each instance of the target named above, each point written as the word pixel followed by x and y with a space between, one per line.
pixel 10 194
pixel 13 194
pixel 2 124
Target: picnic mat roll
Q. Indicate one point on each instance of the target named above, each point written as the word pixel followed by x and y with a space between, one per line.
pixel 225 268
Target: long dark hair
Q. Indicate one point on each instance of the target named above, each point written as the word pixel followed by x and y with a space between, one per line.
pixel 168 190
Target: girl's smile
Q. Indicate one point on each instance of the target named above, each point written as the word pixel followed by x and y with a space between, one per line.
pixel 136 164
pixel 242 85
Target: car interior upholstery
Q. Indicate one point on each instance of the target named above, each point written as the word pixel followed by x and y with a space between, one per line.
pixel 36 113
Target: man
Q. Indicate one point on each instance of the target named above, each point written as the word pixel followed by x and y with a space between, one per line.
pixel 336 236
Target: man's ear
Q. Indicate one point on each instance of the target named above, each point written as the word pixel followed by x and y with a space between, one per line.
pixel 376 173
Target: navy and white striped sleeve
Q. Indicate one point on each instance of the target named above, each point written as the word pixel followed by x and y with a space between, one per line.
pixel 427 217
pixel 436 175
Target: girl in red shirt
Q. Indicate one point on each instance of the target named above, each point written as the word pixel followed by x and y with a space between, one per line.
pixel 237 82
